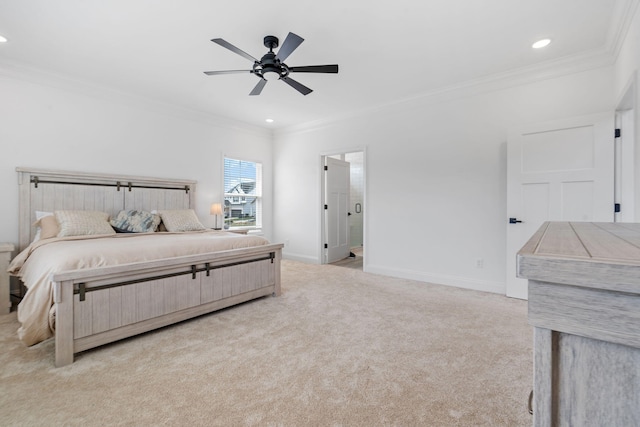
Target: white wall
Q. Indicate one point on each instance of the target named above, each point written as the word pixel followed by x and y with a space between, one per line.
pixel 443 155
pixel 53 126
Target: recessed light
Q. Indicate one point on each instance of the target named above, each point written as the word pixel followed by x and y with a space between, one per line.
pixel 269 120
pixel 541 43
pixel 3 39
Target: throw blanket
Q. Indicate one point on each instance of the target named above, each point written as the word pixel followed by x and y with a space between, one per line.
pixel 35 265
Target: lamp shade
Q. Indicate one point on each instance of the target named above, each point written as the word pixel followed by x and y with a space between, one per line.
pixel 216 209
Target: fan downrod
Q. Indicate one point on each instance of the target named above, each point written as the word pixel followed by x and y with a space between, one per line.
pixel 271 42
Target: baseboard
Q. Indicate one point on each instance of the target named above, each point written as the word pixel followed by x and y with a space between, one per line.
pixel 459 282
pixel 302 258
pixel 438 279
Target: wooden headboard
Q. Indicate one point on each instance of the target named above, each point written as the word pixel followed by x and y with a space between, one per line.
pixel 50 190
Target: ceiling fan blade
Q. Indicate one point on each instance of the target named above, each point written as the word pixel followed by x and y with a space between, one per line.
pixel 234 49
pixel 296 85
pixel 315 69
pixel 256 90
pixel 290 44
pixel 213 73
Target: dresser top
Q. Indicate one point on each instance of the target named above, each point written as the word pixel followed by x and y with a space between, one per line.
pixel 596 241
pixel 602 255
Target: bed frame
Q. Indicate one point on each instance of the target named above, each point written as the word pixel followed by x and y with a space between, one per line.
pixel 101 305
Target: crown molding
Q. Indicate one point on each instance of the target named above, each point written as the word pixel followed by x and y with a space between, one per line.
pixel 22 72
pixel 564 66
pixel 621 21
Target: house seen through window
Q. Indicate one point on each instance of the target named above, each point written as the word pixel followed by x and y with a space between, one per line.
pixel 242 194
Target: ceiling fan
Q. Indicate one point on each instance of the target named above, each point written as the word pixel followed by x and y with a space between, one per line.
pixel 271 66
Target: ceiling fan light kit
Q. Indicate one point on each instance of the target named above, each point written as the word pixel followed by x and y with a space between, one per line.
pixel 271 66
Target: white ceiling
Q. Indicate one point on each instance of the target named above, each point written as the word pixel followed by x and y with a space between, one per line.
pixel 387 50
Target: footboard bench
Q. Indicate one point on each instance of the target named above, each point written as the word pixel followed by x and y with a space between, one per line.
pixel 102 305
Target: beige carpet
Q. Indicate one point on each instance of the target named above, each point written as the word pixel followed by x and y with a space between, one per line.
pixel 339 347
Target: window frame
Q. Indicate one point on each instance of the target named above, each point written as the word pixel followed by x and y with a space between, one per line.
pixel 230 205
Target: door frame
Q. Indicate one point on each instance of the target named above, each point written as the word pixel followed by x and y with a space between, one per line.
pixel 342 152
pixel 627 153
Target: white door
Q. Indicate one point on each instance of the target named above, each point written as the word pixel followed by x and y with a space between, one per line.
pixel 336 209
pixel 561 171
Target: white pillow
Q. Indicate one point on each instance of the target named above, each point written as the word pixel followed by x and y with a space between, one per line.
pixel 83 223
pixel 181 220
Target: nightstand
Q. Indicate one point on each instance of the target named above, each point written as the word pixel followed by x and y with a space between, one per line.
pixel 5 287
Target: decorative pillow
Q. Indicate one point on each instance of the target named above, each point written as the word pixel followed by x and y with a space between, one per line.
pixel 135 222
pixel 181 220
pixel 39 216
pixel 47 227
pixel 82 223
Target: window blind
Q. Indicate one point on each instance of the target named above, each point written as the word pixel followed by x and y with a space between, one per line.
pixel 242 193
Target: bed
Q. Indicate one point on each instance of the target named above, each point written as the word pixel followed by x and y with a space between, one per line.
pixel 106 294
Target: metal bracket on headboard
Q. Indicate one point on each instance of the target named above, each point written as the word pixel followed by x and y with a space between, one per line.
pixel 35 180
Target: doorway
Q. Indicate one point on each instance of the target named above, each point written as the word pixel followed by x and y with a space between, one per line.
pixel 352 256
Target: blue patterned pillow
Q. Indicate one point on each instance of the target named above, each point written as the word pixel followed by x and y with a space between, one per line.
pixel 135 222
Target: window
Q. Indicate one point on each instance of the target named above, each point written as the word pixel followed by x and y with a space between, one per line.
pixel 242 194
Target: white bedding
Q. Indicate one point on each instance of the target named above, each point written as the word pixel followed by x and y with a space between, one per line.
pixel 35 265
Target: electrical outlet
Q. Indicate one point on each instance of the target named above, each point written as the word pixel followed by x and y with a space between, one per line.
pixel 479 263
pixel 286 242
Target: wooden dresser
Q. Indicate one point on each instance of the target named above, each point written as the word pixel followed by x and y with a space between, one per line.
pixel 584 304
pixel 6 250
